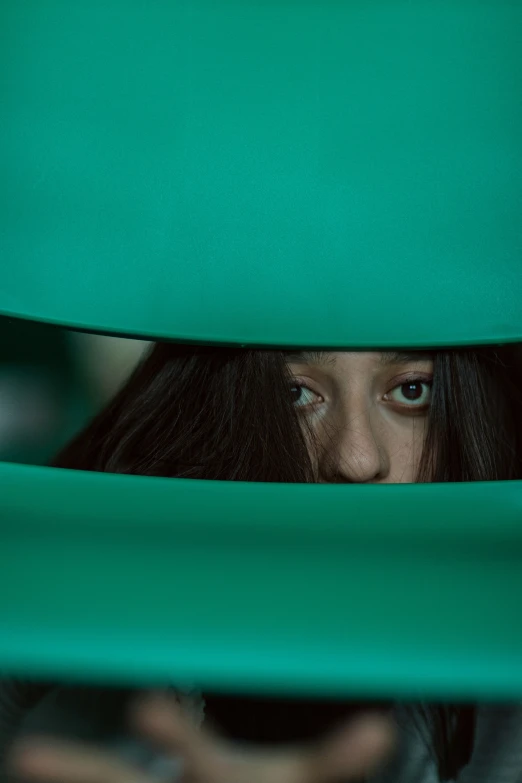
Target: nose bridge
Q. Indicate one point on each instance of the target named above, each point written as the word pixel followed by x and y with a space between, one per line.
pixel 355 452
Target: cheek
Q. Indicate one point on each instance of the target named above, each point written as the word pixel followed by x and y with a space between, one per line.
pixel 320 434
pixel 316 429
pixel 405 443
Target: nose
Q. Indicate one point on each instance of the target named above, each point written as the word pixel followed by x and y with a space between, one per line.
pixel 353 454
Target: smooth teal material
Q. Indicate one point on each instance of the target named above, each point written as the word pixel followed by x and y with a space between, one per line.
pixel 373 590
pixel 317 173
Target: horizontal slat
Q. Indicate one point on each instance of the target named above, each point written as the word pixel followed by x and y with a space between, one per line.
pixel 330 174
pixel 398 590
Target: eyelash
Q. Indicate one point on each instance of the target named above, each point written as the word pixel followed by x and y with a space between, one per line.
pixel 412 409
pixel 297 383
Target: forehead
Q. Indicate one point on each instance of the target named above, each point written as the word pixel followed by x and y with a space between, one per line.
pixel 329 358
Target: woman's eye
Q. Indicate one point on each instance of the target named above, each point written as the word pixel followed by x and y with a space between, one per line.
pixel 412 393
pixel 302 396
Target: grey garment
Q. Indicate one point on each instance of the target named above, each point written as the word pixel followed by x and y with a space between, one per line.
pixel 413 761
pixel 94 716
pixel 496 755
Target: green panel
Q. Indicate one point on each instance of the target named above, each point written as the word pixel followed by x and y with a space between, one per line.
pixel 335 173
pixel 295 588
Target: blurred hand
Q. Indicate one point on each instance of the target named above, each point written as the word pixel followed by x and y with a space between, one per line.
pixel 355 750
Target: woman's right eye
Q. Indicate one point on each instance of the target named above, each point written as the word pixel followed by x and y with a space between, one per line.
pixel 303 396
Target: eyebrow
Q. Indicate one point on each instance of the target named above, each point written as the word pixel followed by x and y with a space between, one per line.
pixel 404 357
pixel 321 358
pixel 325 358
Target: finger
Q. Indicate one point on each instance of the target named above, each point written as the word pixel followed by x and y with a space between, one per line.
pixel 165 722
pixel 282 767
pixel 207 757
pixel 356 749
pixel 67 762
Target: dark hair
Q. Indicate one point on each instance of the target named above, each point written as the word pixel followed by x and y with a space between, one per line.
pixel 191 412
pixel 475 421
pixel 227 414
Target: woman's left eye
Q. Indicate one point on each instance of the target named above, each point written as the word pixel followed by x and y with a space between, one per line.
pixel 414 393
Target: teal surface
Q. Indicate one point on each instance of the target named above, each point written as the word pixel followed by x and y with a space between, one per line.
pixel 373 590
pixel 315 173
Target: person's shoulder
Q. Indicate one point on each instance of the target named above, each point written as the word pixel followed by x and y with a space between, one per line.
pixel 497 750
pixel 496 756
pixel 413 760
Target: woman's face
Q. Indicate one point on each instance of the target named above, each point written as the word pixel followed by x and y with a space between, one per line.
pixel 367 411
